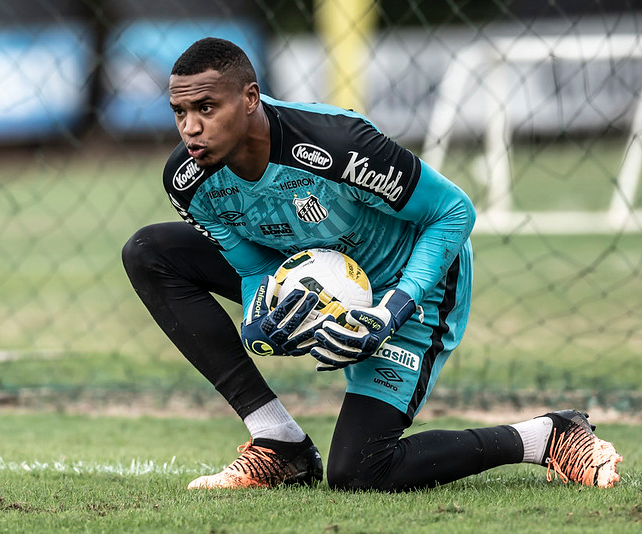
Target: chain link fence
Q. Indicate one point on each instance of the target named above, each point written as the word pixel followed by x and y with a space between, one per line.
pixel 533 107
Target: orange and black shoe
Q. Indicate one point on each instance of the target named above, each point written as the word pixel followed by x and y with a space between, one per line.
pixel 265 463
pixel 574 453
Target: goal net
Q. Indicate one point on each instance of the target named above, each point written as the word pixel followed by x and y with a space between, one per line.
pixel 532 107
pixel 499 68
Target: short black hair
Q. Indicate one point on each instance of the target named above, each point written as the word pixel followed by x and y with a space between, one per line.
pixel 215 54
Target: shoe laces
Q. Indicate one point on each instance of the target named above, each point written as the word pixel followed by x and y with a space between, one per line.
pixel 578 455
pixel 258 462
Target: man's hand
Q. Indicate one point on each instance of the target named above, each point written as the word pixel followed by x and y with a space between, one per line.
pixel 339 347
pixel 268 333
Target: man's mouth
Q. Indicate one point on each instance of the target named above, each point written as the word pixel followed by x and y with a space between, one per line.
pixel 196 151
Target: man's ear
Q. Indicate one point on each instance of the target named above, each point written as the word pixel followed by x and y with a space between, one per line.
pixel 253 96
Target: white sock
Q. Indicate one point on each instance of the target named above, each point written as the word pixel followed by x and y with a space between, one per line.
pixel 534 434
pixel 273 421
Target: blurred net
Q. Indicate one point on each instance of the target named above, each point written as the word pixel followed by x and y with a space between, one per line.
pixel 533 107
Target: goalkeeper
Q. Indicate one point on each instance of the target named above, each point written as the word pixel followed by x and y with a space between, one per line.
pixel 259 179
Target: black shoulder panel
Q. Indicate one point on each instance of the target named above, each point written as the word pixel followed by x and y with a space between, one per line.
pixel 182 175
pixel 181 178
pixel 346 148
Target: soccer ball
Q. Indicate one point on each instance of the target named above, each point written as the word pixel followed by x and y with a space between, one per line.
pixel 338 280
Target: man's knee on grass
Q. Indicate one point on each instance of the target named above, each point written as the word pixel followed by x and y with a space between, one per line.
pixel 348 480
pixel 368 472
pixel 141 250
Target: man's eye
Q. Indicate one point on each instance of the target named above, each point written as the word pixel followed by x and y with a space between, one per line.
pixel 178 112
pixel 206 108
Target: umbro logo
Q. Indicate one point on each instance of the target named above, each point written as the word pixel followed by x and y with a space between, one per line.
pixel 389 374
pixel 231 216
pixel 389 378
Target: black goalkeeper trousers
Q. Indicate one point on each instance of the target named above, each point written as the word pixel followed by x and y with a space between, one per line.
pixel 175 270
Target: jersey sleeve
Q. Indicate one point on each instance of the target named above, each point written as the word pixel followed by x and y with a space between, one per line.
pixel 388 177
pixel 446 217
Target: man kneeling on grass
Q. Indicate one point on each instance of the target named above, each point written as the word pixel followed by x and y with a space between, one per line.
pixel 258 179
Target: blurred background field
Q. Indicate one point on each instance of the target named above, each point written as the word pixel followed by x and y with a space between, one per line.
pixel 85 130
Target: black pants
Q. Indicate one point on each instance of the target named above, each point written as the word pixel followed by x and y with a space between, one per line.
pixel 175 270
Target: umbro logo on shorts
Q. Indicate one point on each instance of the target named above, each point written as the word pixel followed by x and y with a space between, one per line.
pixel 390 377
pixel 389 374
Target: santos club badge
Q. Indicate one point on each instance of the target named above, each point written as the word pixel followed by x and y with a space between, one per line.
pixel 309 209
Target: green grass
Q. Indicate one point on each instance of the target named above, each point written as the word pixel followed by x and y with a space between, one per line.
pixel 71 473
pixel 549 175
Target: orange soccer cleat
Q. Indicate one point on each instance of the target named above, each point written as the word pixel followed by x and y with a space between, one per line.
pixel 574 453
pixel 261 466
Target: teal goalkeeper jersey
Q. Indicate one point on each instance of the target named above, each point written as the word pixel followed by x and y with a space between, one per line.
pixel 333 181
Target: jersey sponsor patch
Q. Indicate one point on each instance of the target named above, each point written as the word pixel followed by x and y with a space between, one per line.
pixel 309 209
pixel 386 184
pixel 187 175
pixel 294 184
pixel 277 229
pixel 399 356
pixel 224 192
pixel 312 156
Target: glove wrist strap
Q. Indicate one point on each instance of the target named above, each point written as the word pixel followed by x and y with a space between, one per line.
pixel 401 306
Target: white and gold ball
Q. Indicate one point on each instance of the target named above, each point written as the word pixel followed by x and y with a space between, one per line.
pixel 338 280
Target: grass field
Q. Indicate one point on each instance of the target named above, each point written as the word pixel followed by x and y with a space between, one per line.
pixel 71 473
pixel 554 319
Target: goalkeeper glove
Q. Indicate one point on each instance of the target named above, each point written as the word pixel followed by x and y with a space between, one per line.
pixel 278 332
pixel 339 347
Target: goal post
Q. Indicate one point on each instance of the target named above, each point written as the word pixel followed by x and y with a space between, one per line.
pixel 493 57
pixel 347 30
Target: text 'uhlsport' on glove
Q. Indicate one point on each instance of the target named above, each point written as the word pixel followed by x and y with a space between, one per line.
pixel 268 333
pixel 339 347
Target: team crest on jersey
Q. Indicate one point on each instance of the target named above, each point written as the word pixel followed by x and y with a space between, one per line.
pixel 309 209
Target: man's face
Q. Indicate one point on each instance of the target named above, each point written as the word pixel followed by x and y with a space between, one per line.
pixel 211 113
